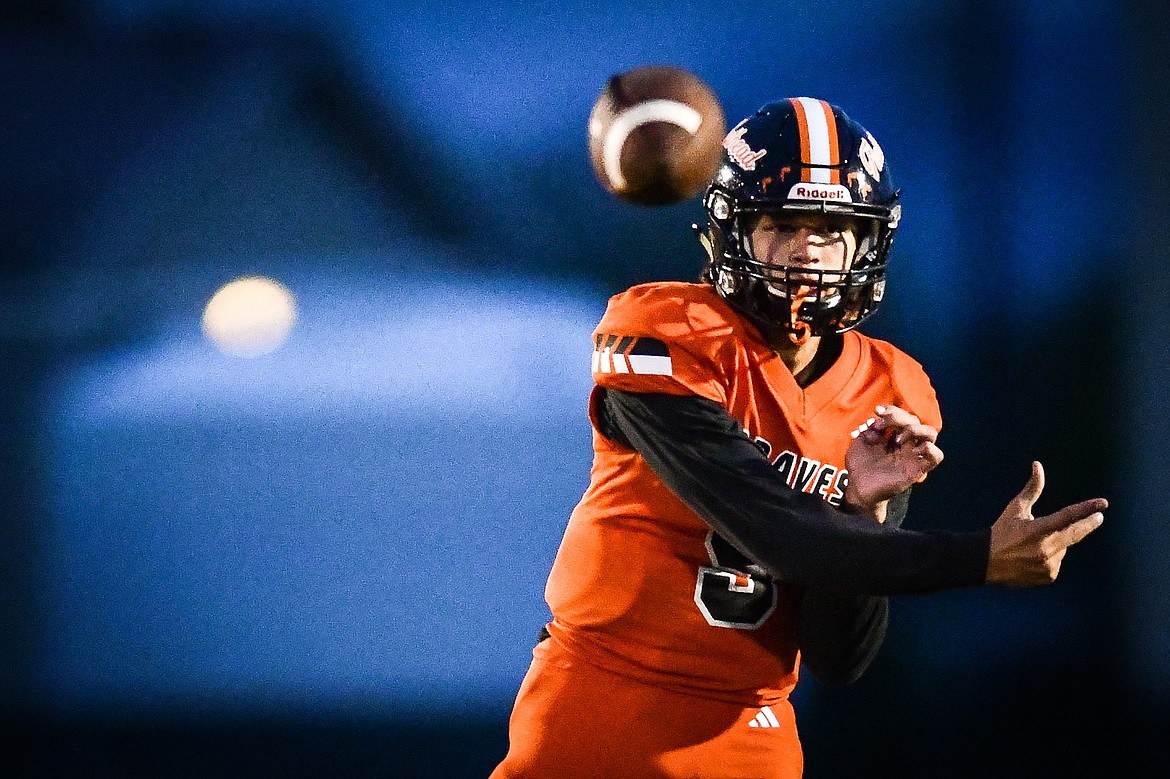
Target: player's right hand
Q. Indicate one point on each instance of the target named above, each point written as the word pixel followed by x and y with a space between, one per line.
pixel 889 454
pixel 1027 550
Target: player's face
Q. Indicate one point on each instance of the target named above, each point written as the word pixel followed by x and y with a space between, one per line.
pixel 821 242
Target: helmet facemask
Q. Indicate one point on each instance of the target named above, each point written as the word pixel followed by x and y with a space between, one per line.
pixel 792 300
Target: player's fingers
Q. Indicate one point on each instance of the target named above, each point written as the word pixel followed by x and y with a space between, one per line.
pixel 916 434
pixel 896 417
pixel 1031 492
pixel 1053 563
pixel 1076 532
pixel 929 453
pixel 1077 511
pixel 1068 515
pixel 928 456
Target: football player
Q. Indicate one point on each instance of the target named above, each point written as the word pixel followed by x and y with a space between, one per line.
pixel 753 459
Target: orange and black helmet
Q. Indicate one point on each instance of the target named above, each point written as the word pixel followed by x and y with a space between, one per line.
pixel 800 156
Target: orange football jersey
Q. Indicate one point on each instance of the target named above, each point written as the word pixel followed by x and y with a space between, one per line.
pixel 641 586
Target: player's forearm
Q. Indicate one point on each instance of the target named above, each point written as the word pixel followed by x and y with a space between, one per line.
pixel 701 454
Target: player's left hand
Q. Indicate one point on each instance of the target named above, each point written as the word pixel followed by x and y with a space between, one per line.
pixel 890 453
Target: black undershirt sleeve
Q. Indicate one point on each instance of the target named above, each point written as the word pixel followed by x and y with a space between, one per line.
pixel 897 508
pixel 702 454
pixel 840 633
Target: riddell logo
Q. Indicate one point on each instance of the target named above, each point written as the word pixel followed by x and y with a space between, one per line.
pixel 738 149
pixel 819 192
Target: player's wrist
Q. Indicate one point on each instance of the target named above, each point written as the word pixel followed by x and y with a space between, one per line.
pixel 856 503
pixel 858 507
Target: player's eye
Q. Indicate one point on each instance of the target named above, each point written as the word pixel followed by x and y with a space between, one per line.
pixel 776 226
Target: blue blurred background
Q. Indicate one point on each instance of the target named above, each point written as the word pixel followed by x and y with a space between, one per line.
pixel 329 560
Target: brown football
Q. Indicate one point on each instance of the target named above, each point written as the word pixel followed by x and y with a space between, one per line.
pixel 656 135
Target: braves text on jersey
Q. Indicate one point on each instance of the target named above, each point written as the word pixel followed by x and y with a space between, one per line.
pixel 641 586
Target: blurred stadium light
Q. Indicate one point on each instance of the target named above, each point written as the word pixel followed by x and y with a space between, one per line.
pixel 362 519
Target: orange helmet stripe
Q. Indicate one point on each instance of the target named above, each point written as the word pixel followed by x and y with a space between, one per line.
pixel 802 127
pixel 834 145
pixel 819 146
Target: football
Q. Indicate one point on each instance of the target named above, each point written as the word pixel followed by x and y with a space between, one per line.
pixel 656 135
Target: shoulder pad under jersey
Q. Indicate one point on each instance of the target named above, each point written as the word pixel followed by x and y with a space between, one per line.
pixel 672 338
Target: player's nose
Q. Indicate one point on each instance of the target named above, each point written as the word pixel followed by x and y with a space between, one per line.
pixel 806 247
pixel 809 247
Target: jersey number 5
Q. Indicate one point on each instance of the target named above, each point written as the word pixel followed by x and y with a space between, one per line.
pixel 729 597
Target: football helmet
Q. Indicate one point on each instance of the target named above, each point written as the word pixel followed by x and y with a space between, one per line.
pixel 800 156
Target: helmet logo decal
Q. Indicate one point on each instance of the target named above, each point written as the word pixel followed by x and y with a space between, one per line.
pixel 834 192
pixel 819 149
pixel 738 149
pixel 860 181
pixel 873 159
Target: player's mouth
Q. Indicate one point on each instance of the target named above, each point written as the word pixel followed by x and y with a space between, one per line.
pixel 793 288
